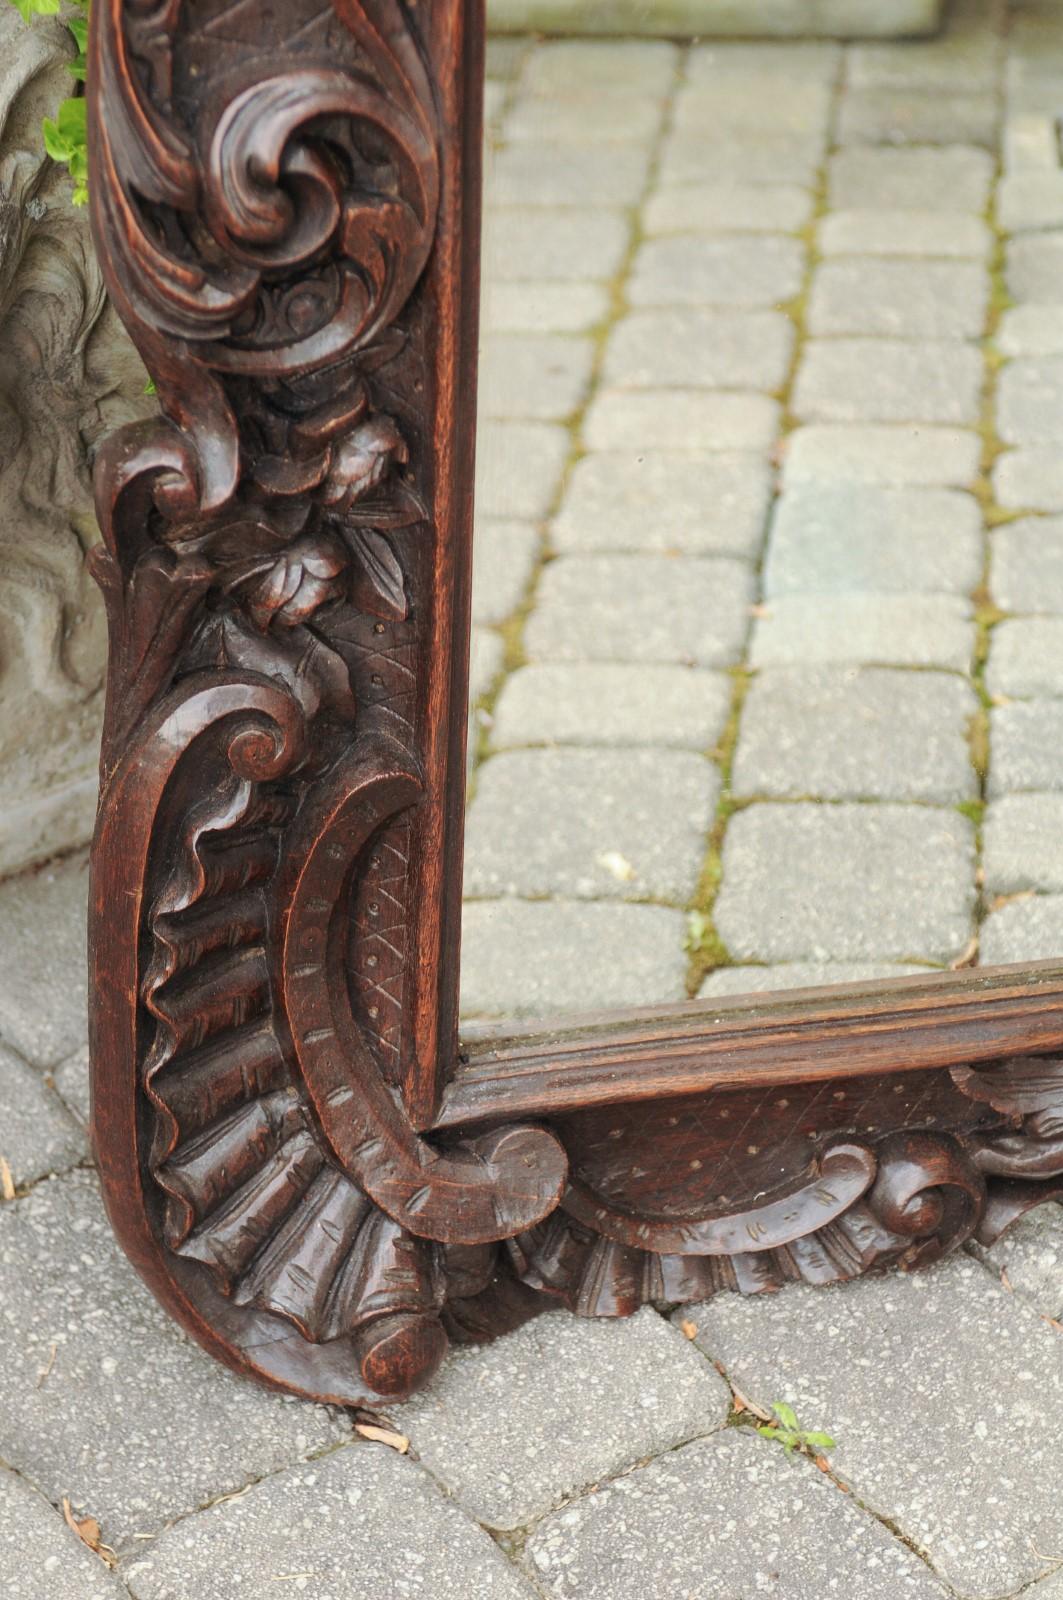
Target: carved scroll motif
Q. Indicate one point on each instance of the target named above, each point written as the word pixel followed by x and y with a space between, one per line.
pixel 269 200
pixel 265 207
pixel 902 1200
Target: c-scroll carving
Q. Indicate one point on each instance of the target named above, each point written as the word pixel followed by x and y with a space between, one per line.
pixel 265 215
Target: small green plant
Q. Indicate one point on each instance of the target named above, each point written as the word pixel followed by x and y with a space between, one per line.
pixel 64 135
pixel 789 1433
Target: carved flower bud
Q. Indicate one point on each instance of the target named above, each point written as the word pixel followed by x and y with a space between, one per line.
pixel 305 576
pixel 361 461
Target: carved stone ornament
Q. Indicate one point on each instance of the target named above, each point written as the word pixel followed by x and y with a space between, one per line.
pixel 286 208
pixel 67 377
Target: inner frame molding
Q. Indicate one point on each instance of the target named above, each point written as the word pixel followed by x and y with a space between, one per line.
pixel 310 1172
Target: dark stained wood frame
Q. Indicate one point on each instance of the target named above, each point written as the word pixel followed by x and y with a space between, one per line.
pixel 307 1170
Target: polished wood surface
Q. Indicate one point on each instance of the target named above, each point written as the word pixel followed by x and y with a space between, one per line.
pixel 308 1170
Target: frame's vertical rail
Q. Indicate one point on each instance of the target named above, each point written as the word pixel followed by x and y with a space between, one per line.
pixel 288 222
pixel 458 38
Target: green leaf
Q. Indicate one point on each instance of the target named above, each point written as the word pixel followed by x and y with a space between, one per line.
pixel 768 1433
pixel 57 147
pixel 822 1441
pixel 79 27
pixel 785 1414
pixel 149 387
pixel 78 68
pixel 72 119
pixel 789 1444
pixel 28 9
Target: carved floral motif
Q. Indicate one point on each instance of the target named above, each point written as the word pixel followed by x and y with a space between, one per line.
pixel 266 201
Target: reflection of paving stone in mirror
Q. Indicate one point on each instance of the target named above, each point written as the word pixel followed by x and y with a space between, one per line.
pixel 765 535
pixel 784 19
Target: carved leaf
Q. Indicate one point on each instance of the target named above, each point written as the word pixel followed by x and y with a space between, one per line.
pixel 378 585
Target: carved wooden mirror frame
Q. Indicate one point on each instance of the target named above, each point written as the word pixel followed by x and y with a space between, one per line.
pixel 308 1171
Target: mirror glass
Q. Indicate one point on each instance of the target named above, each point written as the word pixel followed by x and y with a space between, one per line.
pixel 769 585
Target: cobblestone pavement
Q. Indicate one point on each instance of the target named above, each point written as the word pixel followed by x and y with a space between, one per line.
pixel 769 583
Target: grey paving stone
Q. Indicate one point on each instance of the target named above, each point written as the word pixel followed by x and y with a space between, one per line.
pixel 799 975
pixel 1028 202
pixel 43 975
pixel 949 178
pixel 722 1516
pixel 71 1080
pixel 1030 401
pixel 37 1133
pixel 660 501
pixel 532 958
pixel 1031 331
pixel 496 95
pixel 563 65
pixel 914 116
pixel 846 883
pixel 544 307
pixel 486 658
pixel 683 419
pixel 504 557
pixel 753 103
pixel 897 456
pixel 360 1524
pixel 897 630
pixel 566 175
pixel 1027 929
pixel 1031 1254
pixel 832 538
pixel 716 207
pixel 570 1402
pixel 609 703
pixel 40 1557
pixel 757 157
pixel 192 1430
pixel 1035 269
pixel 590 824
pixel 503 58
pixel 698 18
pixel 960 62
pixel 596 116
pixel 794 60
pixel 641 608
pixel 518 467
pixel 1026 658
pixel 887 380
pixel 564 245
pixel 852 733
pixel 868 232
pixel 1027 564
pixel 738 271
pixel 899 299
pixel 1026 747
pixel 1029 143
pixel 698 349
pixel 943 1392
pixel 1023 843
pixel 1029 480
pixel 538 376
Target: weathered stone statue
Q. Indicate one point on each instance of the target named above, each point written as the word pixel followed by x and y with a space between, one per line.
pixel 68 376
